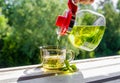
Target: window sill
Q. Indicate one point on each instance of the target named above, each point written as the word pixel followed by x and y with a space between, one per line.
pixel 97 70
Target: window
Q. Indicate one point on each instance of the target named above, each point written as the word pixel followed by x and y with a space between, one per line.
pixel 27 24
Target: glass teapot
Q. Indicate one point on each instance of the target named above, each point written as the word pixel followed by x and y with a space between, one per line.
pixel 85 28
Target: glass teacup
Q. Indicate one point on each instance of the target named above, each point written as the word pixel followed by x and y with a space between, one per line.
pixel 53 57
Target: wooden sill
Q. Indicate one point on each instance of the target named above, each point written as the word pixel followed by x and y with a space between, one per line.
pixel 96 70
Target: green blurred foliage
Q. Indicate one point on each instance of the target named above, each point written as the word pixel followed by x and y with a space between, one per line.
pixel 32 24
pixel 27 24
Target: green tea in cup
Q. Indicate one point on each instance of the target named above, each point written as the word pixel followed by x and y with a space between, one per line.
pixel 53 56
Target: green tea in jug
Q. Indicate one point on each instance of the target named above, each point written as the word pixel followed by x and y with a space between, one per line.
pixel 86 37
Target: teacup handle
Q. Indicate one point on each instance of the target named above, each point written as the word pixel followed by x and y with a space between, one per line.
pixel 70 55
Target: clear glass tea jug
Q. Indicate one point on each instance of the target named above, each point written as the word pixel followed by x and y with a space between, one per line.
pixel 85 28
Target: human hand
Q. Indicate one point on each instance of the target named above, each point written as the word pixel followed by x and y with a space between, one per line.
pixel 83 1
